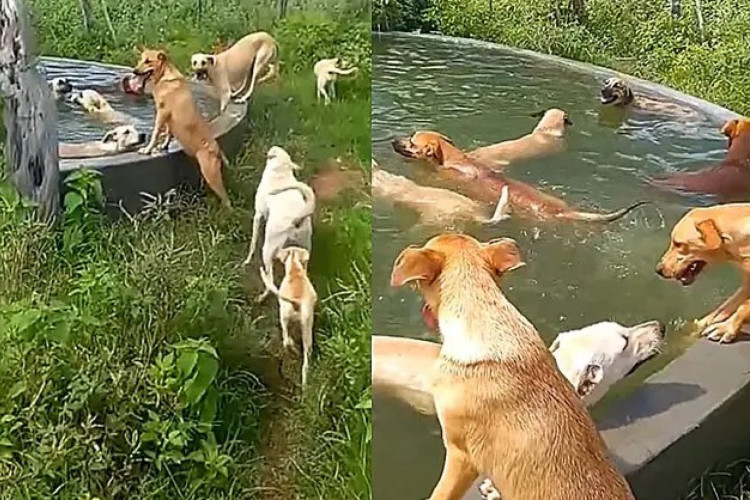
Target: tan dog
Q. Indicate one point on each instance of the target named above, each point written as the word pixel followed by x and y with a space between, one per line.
pixel 435 206
pixel 327 72
pixel 713 235
pixel 118 140
pixel 487 185
pixel 504 407
pixel 237 70
pixel 297 300
pixel 177 115
pixel 97 106
pixel 548 137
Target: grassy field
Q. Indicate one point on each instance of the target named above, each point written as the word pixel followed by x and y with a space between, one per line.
pixel 639 37
pixel 135 355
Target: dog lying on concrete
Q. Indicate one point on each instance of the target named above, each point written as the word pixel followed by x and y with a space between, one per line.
pixel 118 140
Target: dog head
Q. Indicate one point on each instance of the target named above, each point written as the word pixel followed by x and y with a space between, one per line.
pixel 151 65
pixel 696 241
pixel 201 64
pixel 596 357
pixel 422 267
pixel 422 145
pixel 734 128
pixel 122 138
pixel 615 92
pixel 279 161
pixel 60 87
pixel 90 100
pixel 293 256
pixel 553 121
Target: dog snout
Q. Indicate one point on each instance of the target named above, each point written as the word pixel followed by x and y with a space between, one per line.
pixel 660 270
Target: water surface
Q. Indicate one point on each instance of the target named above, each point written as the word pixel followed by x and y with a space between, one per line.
pixel 576 274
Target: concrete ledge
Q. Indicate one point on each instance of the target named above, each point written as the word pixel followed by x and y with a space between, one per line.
pixel 693 414
pixel 125 176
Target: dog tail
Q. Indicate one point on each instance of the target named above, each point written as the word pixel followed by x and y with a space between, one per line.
pixel 269 284
pixel 599 217
pixel 307 193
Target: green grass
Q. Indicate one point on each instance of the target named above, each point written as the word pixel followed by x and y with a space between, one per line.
pixel 134 350
pixel 638 37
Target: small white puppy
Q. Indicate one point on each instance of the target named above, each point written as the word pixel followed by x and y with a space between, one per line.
pixel 297 300
pixel 326 73
pixel 118 140
pixel 97 106
pixel 286 205
pixel 60 87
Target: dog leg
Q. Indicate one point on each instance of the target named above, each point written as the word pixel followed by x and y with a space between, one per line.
pixel 728 330
pixel 457 477
pixel 165 139
pixel 307 345
pixel 726 309
pixel 159 122
pixel 501 211
pixel 268 254
pixel 333 89
pixel 210 165
pixel 257 217
pixel 253 80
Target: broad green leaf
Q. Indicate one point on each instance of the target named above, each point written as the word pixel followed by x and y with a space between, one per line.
pixel 210 402
pixel 25 319
pixel 186 363
pixel 208 366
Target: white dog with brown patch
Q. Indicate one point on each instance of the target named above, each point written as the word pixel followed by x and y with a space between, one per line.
pixel 118 140
pixel 327 71
pixel 297 300
pixel 97 106
pixel 236 71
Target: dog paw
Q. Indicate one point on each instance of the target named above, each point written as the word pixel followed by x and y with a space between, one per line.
pixel 488 491
pixel 289 344
pixel 724 332
pixel 145 151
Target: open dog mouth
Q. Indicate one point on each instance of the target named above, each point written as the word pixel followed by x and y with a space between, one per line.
pixel 429 317
pixel 135 83
pixel 687 276
pixel 200 74
pixel 400 147
pixel 607 97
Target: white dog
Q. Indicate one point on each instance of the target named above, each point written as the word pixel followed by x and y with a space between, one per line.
pixel 118 140
pixel 237 70
pixel 286 205
pixel 97 106
pixel 297 300
pixel 60 87
pixel 326 72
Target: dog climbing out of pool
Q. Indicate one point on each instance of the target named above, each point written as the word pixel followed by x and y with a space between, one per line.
pixel 487 186
pixel 97 106
pixel 236 71
pixel 118 140
pixel 502 403
pixel 616 93
pixel 592 359
pixel 730 179
pixel 548 137
pixel 177 115
pixel 713 235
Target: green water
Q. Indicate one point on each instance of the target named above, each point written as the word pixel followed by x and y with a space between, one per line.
pixel 576 274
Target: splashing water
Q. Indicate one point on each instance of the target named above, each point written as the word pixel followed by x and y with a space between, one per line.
pixel 29 115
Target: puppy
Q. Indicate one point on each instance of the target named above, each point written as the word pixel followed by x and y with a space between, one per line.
pixel 616 93
pixel 591 359
pixel 297 300
pixel 713 235
pixel 435 206
pixel 237 70
pixel 548 137
pixel 504 408
pixel 730 179
pixel 118 140
pixel 286 205
pixel 327 72
pixel 177 115
pixel 60 87
pixel 487 185
pixel 97 106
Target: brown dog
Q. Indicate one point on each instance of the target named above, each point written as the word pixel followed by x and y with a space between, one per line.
pixel 176 115
pixel 713 235
pixel 504 407
pixel 548 137
pixel 730 179
pixel 486 185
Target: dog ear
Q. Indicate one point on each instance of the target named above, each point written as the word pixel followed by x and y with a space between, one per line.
pixel 502 255
pixel 416 264
pixel 538 114
pixel 161 55
pixel 729 129
pixel 592 375
pixel 109 136
pixel 211 60
pixel 434 150
pixel 709 234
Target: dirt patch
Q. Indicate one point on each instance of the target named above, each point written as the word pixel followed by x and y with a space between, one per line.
pixel 334 179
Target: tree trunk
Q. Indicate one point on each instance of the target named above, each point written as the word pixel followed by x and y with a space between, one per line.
pixel 29 115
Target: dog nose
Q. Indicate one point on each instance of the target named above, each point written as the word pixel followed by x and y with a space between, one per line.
pixel 662 329
pixel 660 270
